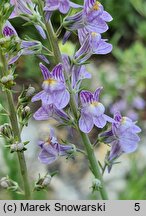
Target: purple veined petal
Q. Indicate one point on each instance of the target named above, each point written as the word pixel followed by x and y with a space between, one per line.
pixel 136 129
pixel 51 5
pixel 15 58
pixel 27 44
pixel 46 73
pixel 116 150
pixel 97 93
pixel 61 99
pixel 86 97
pixel 57 73
pixel 37 97
pixel 75 18
pixel 79 73
pixel 99 121
pixel 128 142
pixel 40 143
pixel 63 149
pixel 64 6
pixel 74 5
pixel 85 123
pixel 60 113
pixel 109 119
pixel 108 137
pixel 52 148
pixel 42 57
pixel 82 60
pixel 42 114
pixel 47 98
pixel 66 63
pixel 41 31
pixel 66 36
pixel 23 8
pixel 84 49
pixel 82 34
pixel 98 26
pixel 118 117
pixel 15 12
pixel 84 74
pixel 48 15
pixel 102 48
pixel 8 30
pixel 106 16
pixel 47 158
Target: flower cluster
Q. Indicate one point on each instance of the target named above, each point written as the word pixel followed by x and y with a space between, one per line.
pixel 61 87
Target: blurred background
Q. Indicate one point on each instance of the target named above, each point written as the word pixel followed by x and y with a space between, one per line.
pixel 123 76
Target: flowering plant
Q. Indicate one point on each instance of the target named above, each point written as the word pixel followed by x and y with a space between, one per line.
pixel 62 96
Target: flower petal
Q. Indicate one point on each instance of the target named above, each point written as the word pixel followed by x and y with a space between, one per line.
pixel 99 121
pixel 85 123
pixel 45 71
pixel 61 99
pixel 128 142
pixel 47 158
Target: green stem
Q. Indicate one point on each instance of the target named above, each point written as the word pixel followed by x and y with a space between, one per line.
pixel 16 131
pixel 85 139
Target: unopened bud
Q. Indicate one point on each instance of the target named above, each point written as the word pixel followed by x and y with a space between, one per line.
pixel 17 147
pixel 4 79
pixel 30 91
pixel 96 184
pixel 4 182
pixel 6 130
pixel 46 181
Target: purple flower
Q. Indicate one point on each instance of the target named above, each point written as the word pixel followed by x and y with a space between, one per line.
pixel 139 103
pixel 18 47
pixel 50 111
pixel 28 11
pixel 51 149
pixel 92 44
pixel 92 18
pixel 122 137
pixel 77 72
pixel 20 6
pixel 62 5
pixel 54 89
pixel 92 111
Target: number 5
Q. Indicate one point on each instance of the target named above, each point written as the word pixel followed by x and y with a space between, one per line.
pixel 137 207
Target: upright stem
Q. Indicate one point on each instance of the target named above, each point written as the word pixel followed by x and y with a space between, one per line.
pixel 15 127
pixel 85 139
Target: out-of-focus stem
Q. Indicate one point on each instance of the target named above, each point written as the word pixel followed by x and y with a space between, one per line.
pixel 14 123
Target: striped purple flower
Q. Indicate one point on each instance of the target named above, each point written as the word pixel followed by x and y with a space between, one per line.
pixel 54 88
pixel 51 150
pixel 62 5
pixel 20 47
pixel 26 9
pixel 122 137
pixel 93 18
pixel 92 111
pixel 91 43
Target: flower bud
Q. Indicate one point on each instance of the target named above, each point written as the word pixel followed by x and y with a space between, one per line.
pixel 17 147
pixel 30 91
pixel 96 184
pixel 4 79
pixel 46 181
pixel 6 131
pixel 4 182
